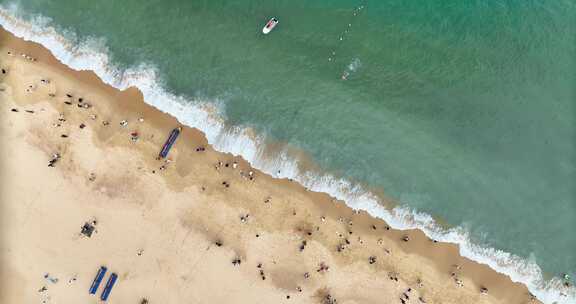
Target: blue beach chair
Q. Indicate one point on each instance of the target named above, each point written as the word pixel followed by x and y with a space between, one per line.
pixel 108 288
pixel 97 279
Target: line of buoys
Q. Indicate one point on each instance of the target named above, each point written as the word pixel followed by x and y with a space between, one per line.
pixel 355 13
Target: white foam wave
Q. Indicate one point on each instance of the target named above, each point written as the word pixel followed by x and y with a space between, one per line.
pixel 92 54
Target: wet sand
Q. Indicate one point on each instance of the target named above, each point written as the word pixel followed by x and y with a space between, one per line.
pixel 174 230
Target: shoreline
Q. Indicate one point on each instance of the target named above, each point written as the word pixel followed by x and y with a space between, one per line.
pixel 437 257
pixel 245 143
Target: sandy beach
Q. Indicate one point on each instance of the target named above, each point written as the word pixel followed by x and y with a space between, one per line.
pixel 199 227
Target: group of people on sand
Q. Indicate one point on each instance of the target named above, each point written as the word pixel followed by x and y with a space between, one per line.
pixel 234 165
pixel 24 55
pixel 322 266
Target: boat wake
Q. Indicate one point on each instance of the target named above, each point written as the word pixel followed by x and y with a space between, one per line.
pixel 92 54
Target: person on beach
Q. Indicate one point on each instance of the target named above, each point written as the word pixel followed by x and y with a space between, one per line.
pixel 302 246
pixel 419 283
pixel 55 158
pixel 322 268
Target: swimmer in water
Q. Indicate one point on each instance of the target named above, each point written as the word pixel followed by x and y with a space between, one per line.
pixel 345 75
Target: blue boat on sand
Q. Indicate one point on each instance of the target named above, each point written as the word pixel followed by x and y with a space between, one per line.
pixel 169 142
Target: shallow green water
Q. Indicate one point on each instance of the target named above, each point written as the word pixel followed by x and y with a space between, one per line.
pixel 461 109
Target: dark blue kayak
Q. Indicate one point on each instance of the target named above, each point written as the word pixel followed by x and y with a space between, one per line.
pixel 169 142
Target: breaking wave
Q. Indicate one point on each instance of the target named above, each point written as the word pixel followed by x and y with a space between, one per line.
pixel 92 54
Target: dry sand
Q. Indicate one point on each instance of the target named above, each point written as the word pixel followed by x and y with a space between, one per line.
pixel 171 235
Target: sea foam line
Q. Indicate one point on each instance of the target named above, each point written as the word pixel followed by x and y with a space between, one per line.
pixel 92 54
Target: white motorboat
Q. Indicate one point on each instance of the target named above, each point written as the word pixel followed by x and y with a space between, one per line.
pixel 270 25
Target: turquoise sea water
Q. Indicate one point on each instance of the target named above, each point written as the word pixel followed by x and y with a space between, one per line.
pixel 464 110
